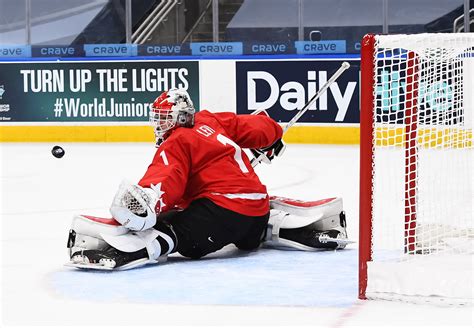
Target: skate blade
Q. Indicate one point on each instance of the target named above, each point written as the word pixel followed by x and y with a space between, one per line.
pixel 89 266
pixel 102 267
pixel 341 244
pixel 82 262
pixel 341 241
pixel 142 262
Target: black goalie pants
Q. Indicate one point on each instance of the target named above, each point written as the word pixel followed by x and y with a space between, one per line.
pixel 205 227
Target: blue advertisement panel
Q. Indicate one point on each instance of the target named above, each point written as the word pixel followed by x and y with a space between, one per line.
pixel 57 51
pixel 15 51
pixel 268 48
pixel 253 47
pixel 320 47
pixel 108 50
pixel 284 87
pixel 216 48
pixel 164 50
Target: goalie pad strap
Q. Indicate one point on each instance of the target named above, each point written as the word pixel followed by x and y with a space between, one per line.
pixel 276 218
pixel 135 241
pixel 283 220
pixel 168 240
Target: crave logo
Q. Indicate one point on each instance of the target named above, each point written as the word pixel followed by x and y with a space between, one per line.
pixel 282 88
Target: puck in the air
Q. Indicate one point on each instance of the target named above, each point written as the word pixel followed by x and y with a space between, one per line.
pixel 57 152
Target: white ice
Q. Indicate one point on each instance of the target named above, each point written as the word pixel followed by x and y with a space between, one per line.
pixel 40 194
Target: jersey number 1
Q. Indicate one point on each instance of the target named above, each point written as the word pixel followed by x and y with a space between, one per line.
pixel 238 151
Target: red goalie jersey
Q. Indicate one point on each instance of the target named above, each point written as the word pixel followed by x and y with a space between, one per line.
pixel 207 161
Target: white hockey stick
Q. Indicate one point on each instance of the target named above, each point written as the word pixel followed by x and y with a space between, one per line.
pixel 322 90
pixel 334 77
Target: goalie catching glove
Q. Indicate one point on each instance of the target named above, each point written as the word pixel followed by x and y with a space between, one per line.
pixel 135 207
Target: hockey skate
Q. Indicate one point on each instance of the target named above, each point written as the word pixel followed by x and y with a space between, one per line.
pixel 109 258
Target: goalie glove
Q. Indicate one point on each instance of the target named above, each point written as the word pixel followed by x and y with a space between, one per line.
pixel 267 154
pixel 134 207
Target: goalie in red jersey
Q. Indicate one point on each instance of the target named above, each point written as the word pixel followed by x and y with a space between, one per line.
pixel 201 193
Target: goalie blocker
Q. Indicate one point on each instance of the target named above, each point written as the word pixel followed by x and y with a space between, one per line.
pixel 104 244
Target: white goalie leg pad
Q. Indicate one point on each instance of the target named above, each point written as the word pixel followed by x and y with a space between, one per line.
pixel 137 240
pixel 85 232
pixel 325 212
pixel 285 213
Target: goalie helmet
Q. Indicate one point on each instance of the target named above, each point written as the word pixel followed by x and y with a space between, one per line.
pixel 171 109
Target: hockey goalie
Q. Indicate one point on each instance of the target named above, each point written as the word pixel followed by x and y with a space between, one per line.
pixel 201 193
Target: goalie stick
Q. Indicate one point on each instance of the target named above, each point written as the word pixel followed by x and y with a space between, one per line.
pixel 345 65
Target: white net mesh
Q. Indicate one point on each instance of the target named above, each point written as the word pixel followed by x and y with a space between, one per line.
pixel 423 167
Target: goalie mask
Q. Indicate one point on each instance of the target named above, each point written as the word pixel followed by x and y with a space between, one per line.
pixel 171 109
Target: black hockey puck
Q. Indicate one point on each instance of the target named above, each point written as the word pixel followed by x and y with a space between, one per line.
pixel 57 152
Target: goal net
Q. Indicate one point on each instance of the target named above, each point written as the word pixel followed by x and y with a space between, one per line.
pixel 416 178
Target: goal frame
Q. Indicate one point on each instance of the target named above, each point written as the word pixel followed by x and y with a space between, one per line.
pixel 366 158
pixel 367 107
pixel 416 168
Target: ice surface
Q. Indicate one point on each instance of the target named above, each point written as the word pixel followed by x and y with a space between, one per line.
pixel 40 194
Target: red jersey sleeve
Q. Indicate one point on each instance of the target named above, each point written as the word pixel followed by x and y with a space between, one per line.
pixel 250 131
pixel 168 173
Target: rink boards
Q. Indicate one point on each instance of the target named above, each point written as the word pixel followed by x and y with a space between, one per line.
pixel 91 100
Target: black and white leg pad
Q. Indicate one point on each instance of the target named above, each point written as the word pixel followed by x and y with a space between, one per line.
pixel 86 230
pixel 90 233
pixel 307 226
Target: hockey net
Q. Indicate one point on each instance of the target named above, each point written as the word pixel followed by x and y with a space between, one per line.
pixel 416 196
